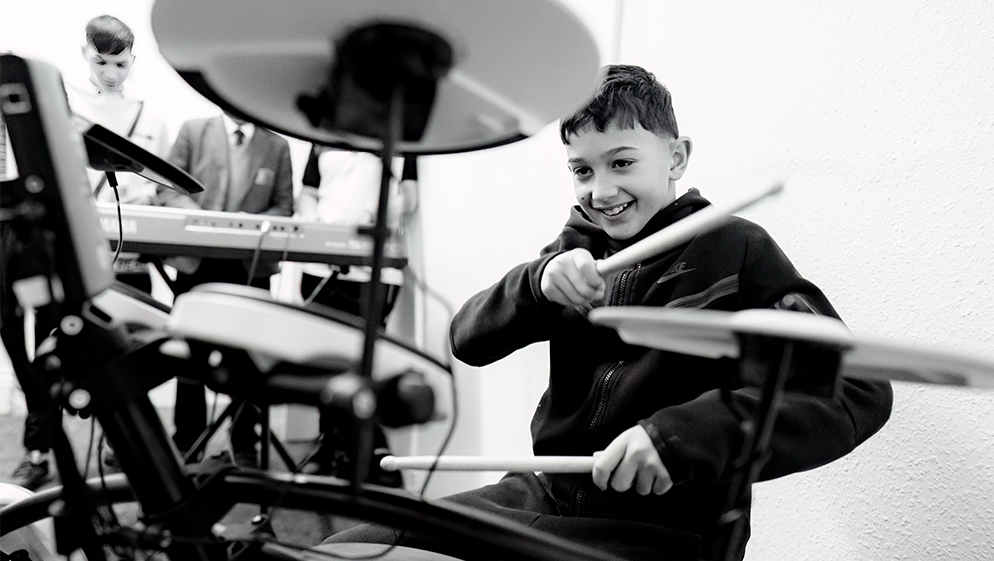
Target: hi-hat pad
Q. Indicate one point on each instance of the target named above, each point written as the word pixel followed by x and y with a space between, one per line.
pixel 504 69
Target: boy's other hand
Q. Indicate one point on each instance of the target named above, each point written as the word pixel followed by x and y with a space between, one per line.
pixel 571 279
pixel 631 460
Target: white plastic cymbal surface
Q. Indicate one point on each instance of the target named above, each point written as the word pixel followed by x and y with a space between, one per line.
pixel 519 64
pixel 714 334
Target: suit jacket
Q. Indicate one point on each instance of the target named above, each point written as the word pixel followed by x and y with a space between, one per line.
pixel 201 149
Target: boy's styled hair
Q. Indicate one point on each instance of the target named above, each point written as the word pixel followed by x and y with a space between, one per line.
pixel 109 35
pixel 628 95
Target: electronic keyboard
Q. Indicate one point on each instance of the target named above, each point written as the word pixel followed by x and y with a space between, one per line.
pixel 155 230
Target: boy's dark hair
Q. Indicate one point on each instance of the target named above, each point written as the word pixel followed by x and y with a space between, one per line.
pixel 628 95
pixel 109 35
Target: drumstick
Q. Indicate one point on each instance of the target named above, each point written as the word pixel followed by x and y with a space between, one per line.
pixel 681 231
pixel 547 464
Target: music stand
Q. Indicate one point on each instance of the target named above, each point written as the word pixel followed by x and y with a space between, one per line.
pixel 110 152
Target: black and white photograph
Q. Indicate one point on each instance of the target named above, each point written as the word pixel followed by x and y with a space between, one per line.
pixel 547 280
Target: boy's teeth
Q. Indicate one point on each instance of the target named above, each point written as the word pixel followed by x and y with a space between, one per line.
pixel 614 210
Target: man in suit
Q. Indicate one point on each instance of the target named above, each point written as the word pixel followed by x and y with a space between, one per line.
pixel 243 168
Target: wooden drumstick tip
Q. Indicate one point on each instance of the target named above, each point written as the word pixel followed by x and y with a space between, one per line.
pixel 389 463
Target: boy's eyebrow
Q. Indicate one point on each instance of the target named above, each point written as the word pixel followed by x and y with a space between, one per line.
pixel 607 153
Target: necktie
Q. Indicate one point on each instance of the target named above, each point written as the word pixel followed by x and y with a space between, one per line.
pixel 239 137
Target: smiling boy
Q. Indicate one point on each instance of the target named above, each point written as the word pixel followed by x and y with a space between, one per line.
pixel 622 178
pixel 665 440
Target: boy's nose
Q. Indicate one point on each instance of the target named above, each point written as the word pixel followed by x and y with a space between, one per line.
pixel 603 190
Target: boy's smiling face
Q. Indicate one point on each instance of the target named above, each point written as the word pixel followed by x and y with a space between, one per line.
pixel 623 177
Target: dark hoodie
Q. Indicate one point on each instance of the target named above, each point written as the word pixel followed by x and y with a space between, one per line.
pixel 600 386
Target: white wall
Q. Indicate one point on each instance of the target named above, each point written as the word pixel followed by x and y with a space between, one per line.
pixel 878 116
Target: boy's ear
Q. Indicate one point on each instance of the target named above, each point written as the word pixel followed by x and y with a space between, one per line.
pixel 682 147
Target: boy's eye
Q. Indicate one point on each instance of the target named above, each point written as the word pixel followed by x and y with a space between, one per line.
pixel 622 163
pixel 581 171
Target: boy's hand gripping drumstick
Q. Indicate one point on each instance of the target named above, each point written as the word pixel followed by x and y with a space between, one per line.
pixel 681 231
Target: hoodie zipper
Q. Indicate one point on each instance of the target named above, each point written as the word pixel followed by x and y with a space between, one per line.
pixel 601 403
pixel 623 284
pixel 577 501
pixel 602 394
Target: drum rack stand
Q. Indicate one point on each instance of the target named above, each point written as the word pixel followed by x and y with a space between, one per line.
pixel 776 366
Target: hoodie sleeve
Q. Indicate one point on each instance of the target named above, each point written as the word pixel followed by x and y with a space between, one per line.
pixel 514 313
pixel 702 439
pixel 508 316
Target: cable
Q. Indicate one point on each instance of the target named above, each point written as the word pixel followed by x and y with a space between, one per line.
pixel 264 229
pixel 112 181
pixel 446 440
pixel 450 310
pixel 89 448
pixel 427 291
pixel 317 289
